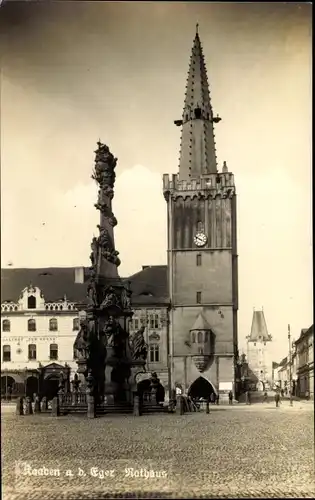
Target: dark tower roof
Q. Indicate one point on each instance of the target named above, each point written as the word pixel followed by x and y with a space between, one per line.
pixel 197 154
pixel 259 330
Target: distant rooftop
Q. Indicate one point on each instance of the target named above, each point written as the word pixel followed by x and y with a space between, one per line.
pixel 259 330
pixel 149 286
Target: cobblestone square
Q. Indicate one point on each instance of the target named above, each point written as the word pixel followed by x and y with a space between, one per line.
pixel 256 451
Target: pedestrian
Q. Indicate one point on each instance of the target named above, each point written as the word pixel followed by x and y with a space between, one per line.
pixel 212 398
pixel 265 400
pixel 247 395
pixel 217 399
pixel 230 398
pixel 282 392
pixel 277 399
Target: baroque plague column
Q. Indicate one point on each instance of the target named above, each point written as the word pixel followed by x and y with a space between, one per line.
pixel 106 357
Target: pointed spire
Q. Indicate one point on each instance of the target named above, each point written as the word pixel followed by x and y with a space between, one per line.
pixel 197 154
pixel 259 331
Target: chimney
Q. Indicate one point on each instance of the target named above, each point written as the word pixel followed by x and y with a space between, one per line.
pixel 79 275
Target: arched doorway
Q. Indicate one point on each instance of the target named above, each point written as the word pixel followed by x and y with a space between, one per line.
pixel 50 387
pixel 260 386
pixel 144 391
pixel 31 387
pixel 201 388
pixel 7 386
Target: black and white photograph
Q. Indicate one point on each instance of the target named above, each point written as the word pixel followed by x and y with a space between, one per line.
pixel 157 336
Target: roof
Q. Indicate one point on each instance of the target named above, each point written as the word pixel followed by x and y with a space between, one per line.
pixel 54 282
pixel 197 120
pixel 201 323
pixel 305 333
pixel 259 328
pixel 149 286
pixel 283 362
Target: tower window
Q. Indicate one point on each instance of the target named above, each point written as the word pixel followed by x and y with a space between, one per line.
pixel 154 353
pixel 6 353
pixel 6 325
pixel 197 113
pixel 53 351
pixel 32 352
pixel 200 226
pixel 198 259
pixel 200 339
pixel 31 302
pixel 198 297
pixel 31 325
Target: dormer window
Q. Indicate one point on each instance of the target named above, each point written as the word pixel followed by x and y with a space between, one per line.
pixel 31 302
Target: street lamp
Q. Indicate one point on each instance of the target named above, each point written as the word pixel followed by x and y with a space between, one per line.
pixel 290 365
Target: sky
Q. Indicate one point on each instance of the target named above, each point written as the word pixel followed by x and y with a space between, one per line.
pixel 74 72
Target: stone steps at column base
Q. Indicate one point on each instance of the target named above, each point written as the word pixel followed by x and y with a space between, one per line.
pixel 76 409
pixel 154 409
pixel 121 409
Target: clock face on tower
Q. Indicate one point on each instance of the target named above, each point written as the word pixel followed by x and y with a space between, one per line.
pixel 200 239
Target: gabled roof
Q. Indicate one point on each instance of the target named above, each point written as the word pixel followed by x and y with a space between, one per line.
pixel 201 323
pixel 149 286
pixel 259 330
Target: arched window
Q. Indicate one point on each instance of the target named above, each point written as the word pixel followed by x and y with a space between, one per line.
pixel 32 352
pixel 6 353
pixel 200 226
pixel 200 337
pixel 6 325
pixel 31 325
pixel 76 324
pixel 53 325
pixel 53 351
pixel 31 302
pixel 193 337
pixel 154 353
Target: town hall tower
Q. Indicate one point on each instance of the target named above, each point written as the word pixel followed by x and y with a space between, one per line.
pixel 202 248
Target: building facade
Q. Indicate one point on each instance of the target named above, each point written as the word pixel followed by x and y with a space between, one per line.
pixel 39 324
pixel 258 353
pixel 305 363
pixel 189 307
pixel 202 249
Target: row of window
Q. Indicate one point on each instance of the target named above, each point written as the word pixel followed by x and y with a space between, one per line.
pixel 31 325
pixel 32 352
pixel 53 324
pixel 199 337
pixel 153 322
pixel 154 352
